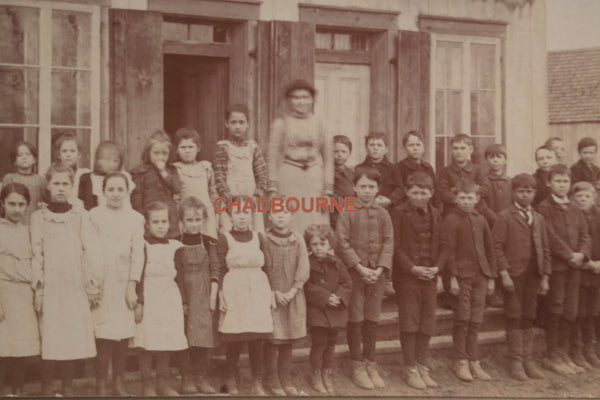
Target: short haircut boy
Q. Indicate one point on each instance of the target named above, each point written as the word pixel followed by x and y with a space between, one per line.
pixel 586 170
pixel 343 139
pixel 239 108
pixel 558 169
pixel 467 187
pixel 523 181
pixel 586 142
pixel 367 172
pixel 583 187
pixel 544 147
pixel 408 134
pixel 461 137
pixel 376 136
pixel 419 179
pixel 495 150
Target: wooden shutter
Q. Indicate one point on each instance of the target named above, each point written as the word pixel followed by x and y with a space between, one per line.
pixel 136 80
pixel 382 100
pixel 414 53
pixel 285 52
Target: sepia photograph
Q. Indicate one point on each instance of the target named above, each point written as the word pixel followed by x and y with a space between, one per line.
pixel 343 198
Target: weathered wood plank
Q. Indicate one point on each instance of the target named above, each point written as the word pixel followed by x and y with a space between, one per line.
pixel 197 49
pixel 382 101
pixel 137 79
pixel 222 9
pixel 348 17
pixel 342 57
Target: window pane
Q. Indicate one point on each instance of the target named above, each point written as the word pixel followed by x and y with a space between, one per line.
pixel 19 95
pixel 482 113
pixel 8 138
pixel 342 41
pixel 323 40
pixel 201 33
pixel 71 97
pixel 175 31
pixel 454 108
pixel 479 144
pixel 83 136
pixel 482 66
pixel 71 39
pixel 440 112
pixel 442 152
pixel 449 64
pixel 19 35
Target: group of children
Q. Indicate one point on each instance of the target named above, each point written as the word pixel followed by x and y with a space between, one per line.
pixel 95 262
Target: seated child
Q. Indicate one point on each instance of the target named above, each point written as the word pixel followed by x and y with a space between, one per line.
pixel 570 247
pixel 391 190
pixel 584 195
pixel 415 273
pixel 240 167
pixel 523 257
pixel 327 295
pixel 467 254
pixel 342 179
pixel 586 170
pixel 545 159
pixel 365 240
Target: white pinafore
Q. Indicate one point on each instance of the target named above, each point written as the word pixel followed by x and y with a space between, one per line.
pixel 246 289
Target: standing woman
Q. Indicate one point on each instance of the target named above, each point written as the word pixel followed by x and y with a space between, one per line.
pixel 300 157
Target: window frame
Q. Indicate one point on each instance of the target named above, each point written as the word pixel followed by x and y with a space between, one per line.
pixel 466 76
pixel 44 125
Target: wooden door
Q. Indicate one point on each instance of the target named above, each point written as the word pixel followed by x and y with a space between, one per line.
pixel 196 95
pixel 343 103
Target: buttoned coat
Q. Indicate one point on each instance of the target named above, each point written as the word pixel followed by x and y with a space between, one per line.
pixel 568 232
pixel 448 178
pixel 580 171
pixel 466 245
pixel 391 185
pixel 365 236
pixel 510 232
pixel 406 242
pixel 328 276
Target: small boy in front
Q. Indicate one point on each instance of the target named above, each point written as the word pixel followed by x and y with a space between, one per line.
pixel 545 158
pixel 523 257
pixel 391 189
pixel 570 247
pixel 467 254
pixel 584 195
pixel 365 243
pixel 342 180
pixel 415 274
pixel 586 170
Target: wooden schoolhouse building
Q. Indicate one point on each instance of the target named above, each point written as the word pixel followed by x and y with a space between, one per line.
pixel 120 69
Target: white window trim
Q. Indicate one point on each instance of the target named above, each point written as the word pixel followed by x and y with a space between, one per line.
pixel 45 100
pixel 466 79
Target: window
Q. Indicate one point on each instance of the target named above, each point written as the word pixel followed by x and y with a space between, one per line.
pixel 50 74
pixel 466 93
pixel 342 41
pixel 194 31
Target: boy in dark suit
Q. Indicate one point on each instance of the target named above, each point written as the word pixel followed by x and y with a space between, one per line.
pixel 586 170
pixel 342 179
pixel 570 247
pixel 415 273
pixel 467 254
pixel 523 258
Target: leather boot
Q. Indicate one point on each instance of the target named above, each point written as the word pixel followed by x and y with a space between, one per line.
pixel 316 380
pixel 462 371
pixel 360 376
pixel 413 378
pixel 371 368
pixel 119 387
pixel 579 360
pixel 566 360
pixel 274 385
pixel 478 372
pixel 590 355
pixel 288 385
pixel 257 386
pixel 231 384
pixel 164 389
pixel 148 387
pixel 203 384
pixel 424 371
pixel 516 370
pixel 101 390
pixel 187 384
pixel 327 377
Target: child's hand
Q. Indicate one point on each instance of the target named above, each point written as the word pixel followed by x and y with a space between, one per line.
pixel 213 300
pixel 94 300
pixel 418 271
pixel 577 259
pixel 186 308
pixel 439 286
pixel 454 288
pixel 364 273
pixel 334 300
pixel 595 266
pixel 139 313
pixel 38 301
pixel 507 282
pixel 432 272
pixel 222 302
pixel 544 286
pixel 383 201
pixel 161 165
pixel 176 197
pixel 280 298
pixel 490 287
pixel 273 301
pixel 289 295
pixel 131 296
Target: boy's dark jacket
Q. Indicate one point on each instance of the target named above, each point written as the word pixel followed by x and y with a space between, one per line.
pixel 543 190
pixel 405 239
pixel 342 183
pixel 510 232
pixel 466 245
pixel 580 171
pixel 327 277
pixel 391 185
pixel 568 232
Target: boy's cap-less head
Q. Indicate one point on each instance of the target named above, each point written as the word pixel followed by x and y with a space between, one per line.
pixel 494 150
